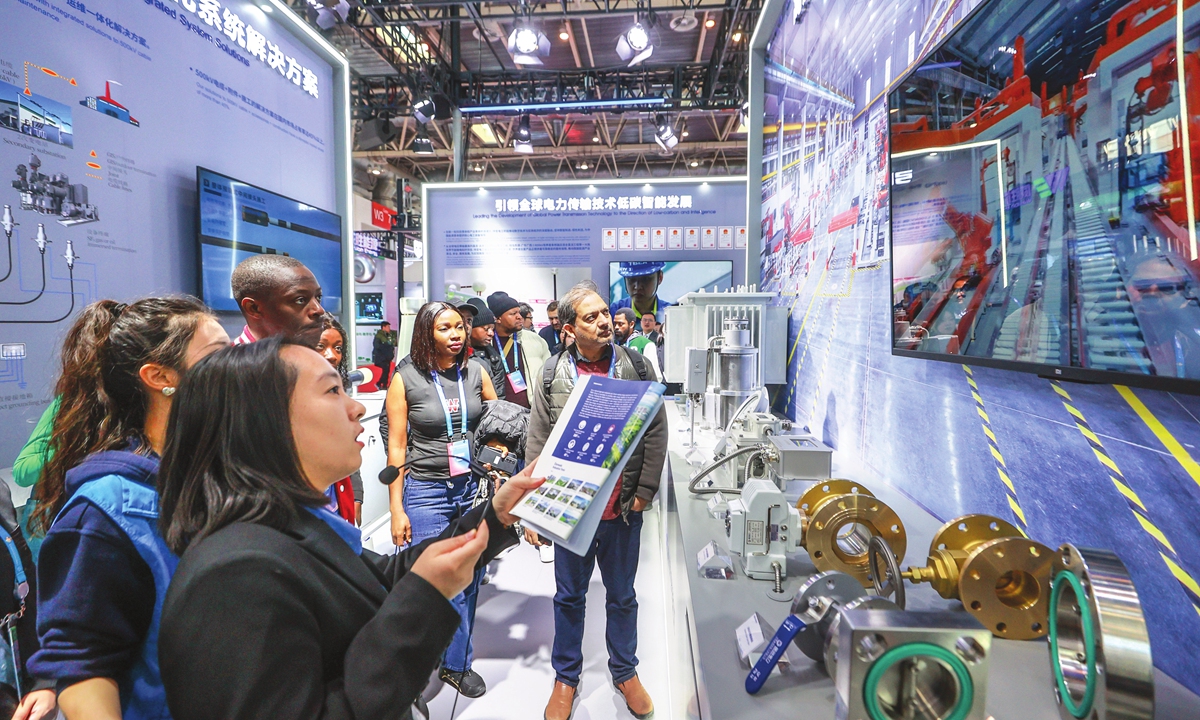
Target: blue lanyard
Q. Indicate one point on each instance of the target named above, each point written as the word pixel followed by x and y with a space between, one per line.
pixel 462 403
pixel 22 589
pixel 612 362
pixel 9 622
pixel 516 353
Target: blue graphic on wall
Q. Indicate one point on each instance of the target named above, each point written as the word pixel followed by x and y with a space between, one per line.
pixel 106 108
pixel 1095 465
pixel 35 115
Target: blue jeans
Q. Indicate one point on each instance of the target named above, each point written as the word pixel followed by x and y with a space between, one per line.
pixel 431 505
pixel 616 549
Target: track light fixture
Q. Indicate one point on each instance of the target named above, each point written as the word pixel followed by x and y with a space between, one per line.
pixel 664 134
pixel 564 34
pixel 421 144
pixel 528 46
pixel 523 140
pixel 431 107
pixel 634 45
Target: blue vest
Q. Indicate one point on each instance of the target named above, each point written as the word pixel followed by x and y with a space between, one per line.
pixel 133 507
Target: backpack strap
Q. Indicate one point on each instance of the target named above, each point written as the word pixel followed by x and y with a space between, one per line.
pixel 639 362
pixel 548 372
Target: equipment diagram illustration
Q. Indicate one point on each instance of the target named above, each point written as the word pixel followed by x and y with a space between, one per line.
pixel 23 111
pixel 107 105
pixel 53 195
pixel 9 225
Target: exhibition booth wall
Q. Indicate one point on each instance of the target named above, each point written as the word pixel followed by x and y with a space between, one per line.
pixel 1097 465
pixel 107 110
pixel 535 240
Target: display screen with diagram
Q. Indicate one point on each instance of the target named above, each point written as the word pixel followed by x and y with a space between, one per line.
pixel 239 220
pixel 1043 219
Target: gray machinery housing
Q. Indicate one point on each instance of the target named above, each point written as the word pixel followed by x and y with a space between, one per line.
pixel 53 195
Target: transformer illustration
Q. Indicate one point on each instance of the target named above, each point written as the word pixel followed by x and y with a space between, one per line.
pixel 107 105
pixel 53 195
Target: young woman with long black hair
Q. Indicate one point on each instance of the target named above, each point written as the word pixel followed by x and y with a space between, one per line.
pixel 433 406
pixel 276 610
pixel 103 570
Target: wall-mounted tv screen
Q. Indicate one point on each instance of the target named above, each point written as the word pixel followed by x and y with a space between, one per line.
pixel 368 307
pixel 679 278
pixel 1043 201
pixel 238 220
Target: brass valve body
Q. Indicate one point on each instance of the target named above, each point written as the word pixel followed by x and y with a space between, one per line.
pixel 1001 576
pixel 838 519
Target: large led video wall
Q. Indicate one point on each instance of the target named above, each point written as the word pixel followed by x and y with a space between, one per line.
pixel 1043 204
pixel 1093 464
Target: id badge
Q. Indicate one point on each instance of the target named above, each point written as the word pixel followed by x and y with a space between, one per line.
pixel 516 381
pixel 459 451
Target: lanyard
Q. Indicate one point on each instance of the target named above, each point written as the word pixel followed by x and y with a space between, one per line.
pixel 516 355
pixel 612 362
pixel 462 403
pixel 9 622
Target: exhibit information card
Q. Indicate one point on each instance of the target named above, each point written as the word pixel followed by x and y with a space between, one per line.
pixel 604 419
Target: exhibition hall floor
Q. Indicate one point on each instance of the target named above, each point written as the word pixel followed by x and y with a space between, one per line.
pixel 514 630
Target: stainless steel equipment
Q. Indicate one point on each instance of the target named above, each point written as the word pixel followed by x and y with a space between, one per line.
pixel 700 316
pixel 894 665
pixel 820 602
pixel 1099 647
pixel 733 372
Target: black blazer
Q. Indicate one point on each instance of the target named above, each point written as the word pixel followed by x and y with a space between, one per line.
pixel 262 623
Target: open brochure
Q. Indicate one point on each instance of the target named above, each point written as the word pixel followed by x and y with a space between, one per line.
pixel 583 458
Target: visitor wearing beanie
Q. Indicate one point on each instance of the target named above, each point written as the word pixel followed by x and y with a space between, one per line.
pixel 522 351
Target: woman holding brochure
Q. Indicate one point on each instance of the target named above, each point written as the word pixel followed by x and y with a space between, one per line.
pixel 276 610
pixel 433 406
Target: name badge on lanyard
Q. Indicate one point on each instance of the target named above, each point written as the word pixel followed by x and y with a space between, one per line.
pixel 516 379
pixel 458 449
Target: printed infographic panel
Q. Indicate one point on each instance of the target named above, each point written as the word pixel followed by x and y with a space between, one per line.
pixel 106 109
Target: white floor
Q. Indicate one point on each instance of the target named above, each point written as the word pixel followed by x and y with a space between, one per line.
pixel 514 630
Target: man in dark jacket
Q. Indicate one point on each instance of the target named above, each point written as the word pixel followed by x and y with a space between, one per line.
pixel 483 349
pixel 383 351
pixel 550 333
pixel 617 546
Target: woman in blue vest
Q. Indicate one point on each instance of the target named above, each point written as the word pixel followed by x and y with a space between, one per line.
pixel 104 568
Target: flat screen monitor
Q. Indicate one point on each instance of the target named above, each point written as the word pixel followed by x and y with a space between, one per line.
pixel 368 307
pixel 1042 210
pixel 679 278
pixel 238 220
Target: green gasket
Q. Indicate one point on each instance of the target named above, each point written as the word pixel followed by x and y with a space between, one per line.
pixel 966 696
pixel 1089 642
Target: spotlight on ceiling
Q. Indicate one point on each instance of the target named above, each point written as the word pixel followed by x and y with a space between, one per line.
pixel 523 140
pixel 664 135
pixel 564 34
pixel 695 164
pixel 431 107
pixel 737 36
pixel 634 45
pixel 528 46
pixel 421 144
pixel 685 21
pixel 710 23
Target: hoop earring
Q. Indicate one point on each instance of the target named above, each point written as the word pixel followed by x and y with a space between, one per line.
pixel 168 391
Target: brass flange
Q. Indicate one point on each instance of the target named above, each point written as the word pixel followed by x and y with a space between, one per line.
pixel 1001 576
pixel 838 520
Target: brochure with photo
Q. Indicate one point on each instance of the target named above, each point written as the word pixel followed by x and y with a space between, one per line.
pixel 583 458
